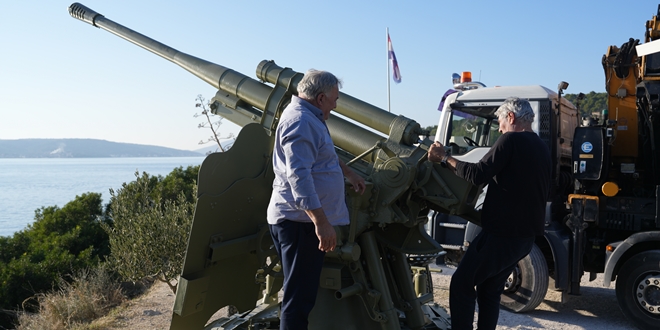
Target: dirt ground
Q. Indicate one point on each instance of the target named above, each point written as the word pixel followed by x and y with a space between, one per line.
pixel 596 309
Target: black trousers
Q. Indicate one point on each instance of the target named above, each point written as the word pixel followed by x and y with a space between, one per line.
pixel 486 265
pixel 298 248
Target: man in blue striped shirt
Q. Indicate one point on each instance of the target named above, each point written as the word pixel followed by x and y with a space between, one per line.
pixel 308 193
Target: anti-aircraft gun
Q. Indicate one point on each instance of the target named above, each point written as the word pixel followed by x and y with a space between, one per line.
pixel 368 281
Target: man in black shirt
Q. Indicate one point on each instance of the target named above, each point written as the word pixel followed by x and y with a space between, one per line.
pixel 518 170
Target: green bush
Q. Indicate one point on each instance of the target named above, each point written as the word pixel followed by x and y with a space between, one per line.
pixel 148 220
pixel 149 231
pixel 59 241
pixel 179 181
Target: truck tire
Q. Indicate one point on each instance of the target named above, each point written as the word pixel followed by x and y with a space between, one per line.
pixel 528 283
pixel 638 289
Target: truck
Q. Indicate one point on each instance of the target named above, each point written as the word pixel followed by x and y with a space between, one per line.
pixel 603 215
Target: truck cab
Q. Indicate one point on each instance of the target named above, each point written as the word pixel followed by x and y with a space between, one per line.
pixel 469 127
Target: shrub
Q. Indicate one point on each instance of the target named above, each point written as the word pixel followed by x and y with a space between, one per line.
pixel 152 216
pixel 176 182
pixel 60 241
pixel 148 236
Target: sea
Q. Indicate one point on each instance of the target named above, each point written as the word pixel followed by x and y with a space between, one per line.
pixel 27 184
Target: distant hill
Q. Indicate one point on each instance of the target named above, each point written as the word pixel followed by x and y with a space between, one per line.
pixel 84 148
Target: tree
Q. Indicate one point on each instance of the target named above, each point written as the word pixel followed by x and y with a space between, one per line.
pixel 432 130
pixel 592 103
pixel 149 231
pixel 178 181
pixel 213 125
pixel 59 241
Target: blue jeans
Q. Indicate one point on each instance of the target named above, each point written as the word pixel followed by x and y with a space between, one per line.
pixel 298 248
pixel 486 265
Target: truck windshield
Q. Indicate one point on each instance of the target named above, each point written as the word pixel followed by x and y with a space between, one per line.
pixel 468 131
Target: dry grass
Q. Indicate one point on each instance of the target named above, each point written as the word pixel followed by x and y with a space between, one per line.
pixel 90 295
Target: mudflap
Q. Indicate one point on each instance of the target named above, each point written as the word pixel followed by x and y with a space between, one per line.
pixel 229 239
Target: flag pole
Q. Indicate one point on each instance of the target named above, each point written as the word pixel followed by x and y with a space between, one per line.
pixel 387 35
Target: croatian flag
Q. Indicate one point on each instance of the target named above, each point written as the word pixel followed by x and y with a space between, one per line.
pixel 396 74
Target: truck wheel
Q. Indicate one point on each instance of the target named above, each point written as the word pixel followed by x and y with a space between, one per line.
pixel 526 286
pixel 638 289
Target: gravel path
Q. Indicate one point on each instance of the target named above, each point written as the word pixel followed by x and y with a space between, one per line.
pixel 596 309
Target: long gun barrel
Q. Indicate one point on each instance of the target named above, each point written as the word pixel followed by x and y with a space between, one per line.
pixel 230 259
pixel 218 76
pixel 237 89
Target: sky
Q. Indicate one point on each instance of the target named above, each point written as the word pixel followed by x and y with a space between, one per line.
pixel 63 78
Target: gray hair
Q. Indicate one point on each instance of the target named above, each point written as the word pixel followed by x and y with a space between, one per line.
pixel 520 108
pixel 316 82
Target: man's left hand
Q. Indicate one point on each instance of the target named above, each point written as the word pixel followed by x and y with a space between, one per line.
pixel 436 152
pixel 353 178
pixel 357 182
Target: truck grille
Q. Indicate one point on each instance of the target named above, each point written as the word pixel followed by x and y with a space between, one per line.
pixel 545 109
pixel 619 220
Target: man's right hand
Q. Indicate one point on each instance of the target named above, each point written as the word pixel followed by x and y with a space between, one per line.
pixel 327 237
